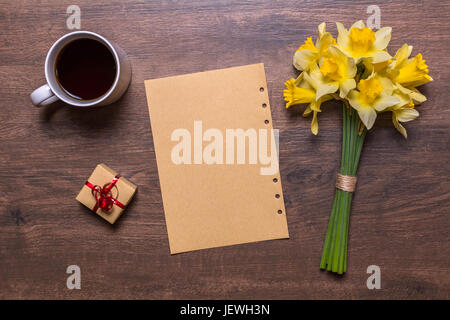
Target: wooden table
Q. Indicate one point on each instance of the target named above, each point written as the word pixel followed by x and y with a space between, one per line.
pixel 400 212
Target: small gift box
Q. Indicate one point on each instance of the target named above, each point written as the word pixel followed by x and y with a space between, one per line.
pixel 106 193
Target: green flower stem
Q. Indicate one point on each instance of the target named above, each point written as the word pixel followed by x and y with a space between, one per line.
pixel 334 255
pixel 328 236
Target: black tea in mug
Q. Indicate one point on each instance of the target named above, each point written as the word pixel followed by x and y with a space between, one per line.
pixel 85 69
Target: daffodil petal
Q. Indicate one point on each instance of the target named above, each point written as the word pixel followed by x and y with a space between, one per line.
pixel 313 81
pixel 405 100
pixel 417 97
pixel 354 98
pixel 299 80
pixel 398 126
pixel 307 111
pixel 345 87
pixel 402 89
pixel 351 68
pixel 324 42
pixel 335 51
pixel 386 83
pixel 321 28
pixel 414 94
pixel 367 116
pixel 384 102
pixel 408 114
pixel 324 99
pixel 402 54
pixel 380 56
pixel 304 58
pixel 358 24
pixel 344 60
pixel 326 88
pixel 314 124
pixel 342 39
pixel 382 38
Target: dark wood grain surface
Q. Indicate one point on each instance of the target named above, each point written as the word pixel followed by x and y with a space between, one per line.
pixel 400 217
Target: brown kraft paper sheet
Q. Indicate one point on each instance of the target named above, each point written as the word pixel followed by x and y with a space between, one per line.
pixel 211 203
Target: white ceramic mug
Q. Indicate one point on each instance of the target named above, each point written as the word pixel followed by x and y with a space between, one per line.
pixel 51 91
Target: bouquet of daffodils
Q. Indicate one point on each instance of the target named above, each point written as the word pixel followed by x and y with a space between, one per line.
pixel 358 70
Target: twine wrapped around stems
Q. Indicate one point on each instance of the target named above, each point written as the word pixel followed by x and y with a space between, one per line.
pixel 346 183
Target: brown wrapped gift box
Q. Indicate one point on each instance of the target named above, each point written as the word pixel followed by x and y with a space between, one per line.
pixel 102 175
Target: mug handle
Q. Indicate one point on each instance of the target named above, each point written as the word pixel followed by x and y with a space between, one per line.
pixel 43 96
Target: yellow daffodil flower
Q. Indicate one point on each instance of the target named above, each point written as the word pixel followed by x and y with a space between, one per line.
pixel 403 111
pixel 375 94
pixel 361 42
pixel 409 72
pixel 403 114
pixel 380 68
pixel 338 69
pixel 310 53
pixel 321 85
pixel 300 91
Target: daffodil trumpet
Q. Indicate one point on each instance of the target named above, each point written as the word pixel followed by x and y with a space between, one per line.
pixel 357 69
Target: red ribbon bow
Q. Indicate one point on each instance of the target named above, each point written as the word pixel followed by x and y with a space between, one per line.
pixel 103 196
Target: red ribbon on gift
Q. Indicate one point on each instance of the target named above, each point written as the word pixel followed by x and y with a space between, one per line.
pixel 103 196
